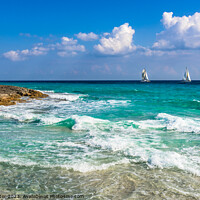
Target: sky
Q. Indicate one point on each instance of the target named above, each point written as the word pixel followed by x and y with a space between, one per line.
pixel 99 39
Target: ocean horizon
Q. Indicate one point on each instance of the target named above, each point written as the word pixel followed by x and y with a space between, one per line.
pixel 102 81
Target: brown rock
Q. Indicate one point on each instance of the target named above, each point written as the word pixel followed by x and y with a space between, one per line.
pixel 10 95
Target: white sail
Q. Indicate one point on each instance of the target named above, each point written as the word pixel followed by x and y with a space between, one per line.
pixel 186 76
pixel 144 76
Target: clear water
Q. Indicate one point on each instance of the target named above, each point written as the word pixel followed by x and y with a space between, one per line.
pixel 106 140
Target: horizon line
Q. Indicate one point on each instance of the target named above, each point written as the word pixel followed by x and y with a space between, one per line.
pixel 54 80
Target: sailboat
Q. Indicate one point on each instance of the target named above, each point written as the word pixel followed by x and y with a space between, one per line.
pixel 145 76
pixel 186 77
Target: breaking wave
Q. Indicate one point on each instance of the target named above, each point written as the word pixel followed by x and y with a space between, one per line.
pixel 64 96
pixel 128 140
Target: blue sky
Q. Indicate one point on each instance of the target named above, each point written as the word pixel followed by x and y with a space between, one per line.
pixel 90 40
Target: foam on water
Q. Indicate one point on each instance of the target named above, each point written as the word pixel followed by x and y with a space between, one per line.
pixel 26 113
pixel 115 102
pixel 181 124
pixel 173 159
pixel 63 96
pixel 131 140
pixel 196 100
pixel 81 166
pixel 150 130
pixel 163 120
pixel 26 116
pixel 86 167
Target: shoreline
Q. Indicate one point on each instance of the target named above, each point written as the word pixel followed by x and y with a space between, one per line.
pixel 10 95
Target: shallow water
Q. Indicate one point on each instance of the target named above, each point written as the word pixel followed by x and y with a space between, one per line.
pixel 105 140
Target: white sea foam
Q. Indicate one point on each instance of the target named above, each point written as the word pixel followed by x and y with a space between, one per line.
pixel 76 166
pixel 87 167
pixel 97 126
pixel 70 144
pixel 163 120
pixel 24 117
pixel 146 124
pixel 140 148
pixel 147 153
pixel 119 102
pixel 47 91
pixel 64 96
pixel 181 124
pixel 128 138
pixel 88 123
pixel 18 161
pixel 173 159
pixel 50 120
pixel 27 116
pixel 196 100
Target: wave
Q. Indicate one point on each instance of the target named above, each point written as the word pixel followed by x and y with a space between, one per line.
pixel 153 157
pixel 115 102
pixel 127 139
pixel 168 159
pixel 138 141
pixel 75 166
pixel 162 121
pixel 27 117
pixel 180 124
pixel 196 100
pixel 86 167
pixel 64 96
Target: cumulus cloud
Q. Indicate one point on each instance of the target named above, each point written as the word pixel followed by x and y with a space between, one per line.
pixel 69 46
pixel 13 55
pixel 19 55
pixel 120 41
pixel 87 36
pixel 179 33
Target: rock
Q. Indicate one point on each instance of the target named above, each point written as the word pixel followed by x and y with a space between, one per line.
pixel 10 95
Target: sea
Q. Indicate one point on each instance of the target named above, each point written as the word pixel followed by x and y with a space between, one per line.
pixel 102 140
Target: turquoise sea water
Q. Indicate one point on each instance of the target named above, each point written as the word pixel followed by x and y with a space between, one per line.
pixel 105 140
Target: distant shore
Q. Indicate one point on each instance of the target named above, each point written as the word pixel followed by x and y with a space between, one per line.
pixel 10 95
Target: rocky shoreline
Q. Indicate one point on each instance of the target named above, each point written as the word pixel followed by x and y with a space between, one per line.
pixel 10 95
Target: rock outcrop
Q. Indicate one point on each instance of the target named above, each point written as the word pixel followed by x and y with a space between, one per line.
pixel 10 95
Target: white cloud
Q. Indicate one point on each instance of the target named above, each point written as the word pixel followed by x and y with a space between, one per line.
pixel 180 32
pixel 120 41
pixel 23 54
pixel 36 51
pixel 106 34
pixel 13 55
pixel 68 41
pixel 87 36
pixel 69 46
pixel 31 36
pixel 65 53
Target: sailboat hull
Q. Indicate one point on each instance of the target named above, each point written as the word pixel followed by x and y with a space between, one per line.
pixel 145 81
pixel 185 81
